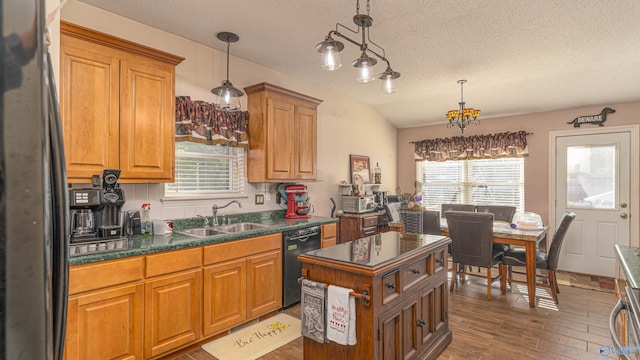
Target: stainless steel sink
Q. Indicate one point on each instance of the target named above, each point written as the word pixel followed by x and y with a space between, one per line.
pixel 201 232
pixel 242 227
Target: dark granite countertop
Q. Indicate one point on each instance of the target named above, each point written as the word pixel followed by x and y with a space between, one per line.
pixel 375 250
pixel 630 262
pixel 142 245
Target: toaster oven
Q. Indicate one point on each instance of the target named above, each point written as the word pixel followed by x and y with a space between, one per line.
pixel 358 204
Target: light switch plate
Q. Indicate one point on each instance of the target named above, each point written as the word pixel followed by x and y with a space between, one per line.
pixel 259 199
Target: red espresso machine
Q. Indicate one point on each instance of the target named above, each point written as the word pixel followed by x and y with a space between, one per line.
pixel 297 202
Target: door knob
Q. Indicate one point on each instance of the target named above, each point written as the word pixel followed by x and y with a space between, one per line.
pixel 624 216
pixel 623 205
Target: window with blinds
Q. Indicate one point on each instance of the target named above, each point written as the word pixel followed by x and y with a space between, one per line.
pixel 479 182
pixel 207 170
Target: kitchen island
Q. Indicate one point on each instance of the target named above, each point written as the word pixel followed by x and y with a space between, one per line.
pixel 400 281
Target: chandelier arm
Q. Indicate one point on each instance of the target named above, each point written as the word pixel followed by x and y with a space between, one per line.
pixel 348 28
pixel 383 57
pixel 346 38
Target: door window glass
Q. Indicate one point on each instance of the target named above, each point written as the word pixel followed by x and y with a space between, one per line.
pixel 591 176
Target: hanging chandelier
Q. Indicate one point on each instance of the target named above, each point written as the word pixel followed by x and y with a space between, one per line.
pixel 330 53
pixel 227 97
pixel 464 116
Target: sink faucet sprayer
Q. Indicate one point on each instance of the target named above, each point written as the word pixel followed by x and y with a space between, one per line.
pixel 215 208
pixel 205 221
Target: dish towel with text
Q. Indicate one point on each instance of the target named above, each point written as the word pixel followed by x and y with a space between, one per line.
pixel 313 298
pixel 341 316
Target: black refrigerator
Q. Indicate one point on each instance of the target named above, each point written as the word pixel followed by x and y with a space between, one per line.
pixel 33 199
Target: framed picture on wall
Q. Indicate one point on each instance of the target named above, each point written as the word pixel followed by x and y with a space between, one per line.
pixel 360 169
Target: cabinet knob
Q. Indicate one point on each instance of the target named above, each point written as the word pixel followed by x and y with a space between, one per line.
pixel 415 271
pixel 391 285
pixel 420 323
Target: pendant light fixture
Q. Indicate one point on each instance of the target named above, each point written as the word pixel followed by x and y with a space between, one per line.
pixel 330 53
pixel 464 116
pixel 227 97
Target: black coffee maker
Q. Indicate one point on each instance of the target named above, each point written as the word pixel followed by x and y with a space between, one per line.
pixel 95 215
pixel 111 201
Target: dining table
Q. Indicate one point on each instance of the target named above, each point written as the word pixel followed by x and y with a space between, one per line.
pixel 529 238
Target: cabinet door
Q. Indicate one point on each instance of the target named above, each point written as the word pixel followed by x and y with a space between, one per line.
pixel 89 105
pixel 410 336
pixel 105 324
pixel 399 338
pixel 280 135
pixel 390 335
pixel 264 283
pixel 172 312
pixel 225 294
pixel 146 124
pixel 305 143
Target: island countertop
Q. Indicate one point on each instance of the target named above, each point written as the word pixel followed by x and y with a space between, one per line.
pixel 375 253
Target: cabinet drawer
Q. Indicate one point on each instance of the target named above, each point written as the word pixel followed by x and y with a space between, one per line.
pixel 370 221
pixel 241 248
pixel 173 261
pixel 415 272
pixel 390 288
pixel 329 230
pixel 99 275
pixel 368 231
pixel 440 261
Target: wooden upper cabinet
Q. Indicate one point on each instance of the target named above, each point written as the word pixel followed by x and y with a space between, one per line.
pixel 117 104
pixel 89 106
pixel 282 134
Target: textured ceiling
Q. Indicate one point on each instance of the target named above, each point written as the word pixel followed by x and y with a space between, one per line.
pixel 519 56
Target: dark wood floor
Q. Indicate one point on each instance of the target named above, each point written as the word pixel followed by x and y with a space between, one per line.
pixel 506 327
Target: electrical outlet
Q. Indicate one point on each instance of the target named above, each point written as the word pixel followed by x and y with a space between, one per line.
pixel 259 199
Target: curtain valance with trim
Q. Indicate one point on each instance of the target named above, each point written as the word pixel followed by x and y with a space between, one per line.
pixel 199 121
pixel 507 144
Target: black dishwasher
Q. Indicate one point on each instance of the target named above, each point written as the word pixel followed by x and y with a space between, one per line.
pixel 296 242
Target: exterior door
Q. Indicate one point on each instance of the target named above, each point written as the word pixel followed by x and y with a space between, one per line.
pixel 593 174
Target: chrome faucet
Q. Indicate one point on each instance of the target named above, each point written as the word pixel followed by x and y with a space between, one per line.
pixel 215 208
pixel 205 221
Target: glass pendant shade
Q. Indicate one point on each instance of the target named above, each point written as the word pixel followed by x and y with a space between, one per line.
pixel 227 97
pixel 364 66
pixel 387 80
pixel 330 54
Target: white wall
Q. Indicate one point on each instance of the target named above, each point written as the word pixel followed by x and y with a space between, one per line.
pixel 345 126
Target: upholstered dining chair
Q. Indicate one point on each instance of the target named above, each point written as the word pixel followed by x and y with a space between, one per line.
pixel 455 207
pixel 500 212
pixel 472 244
pixel 544 261
pixel 431 222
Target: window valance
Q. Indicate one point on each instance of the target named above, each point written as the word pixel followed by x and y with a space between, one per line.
pixel 199 121
pixel 507 144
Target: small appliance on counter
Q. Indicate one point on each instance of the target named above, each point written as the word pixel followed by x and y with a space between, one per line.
pixel 297 200
pixel 381 199
pixel 96 217
pixel 358 204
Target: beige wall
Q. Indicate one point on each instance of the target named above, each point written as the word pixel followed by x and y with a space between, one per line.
pixel 536 165
pixel 345 126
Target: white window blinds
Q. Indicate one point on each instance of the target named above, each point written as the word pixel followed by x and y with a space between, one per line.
pixel 479 182
pixel 207 170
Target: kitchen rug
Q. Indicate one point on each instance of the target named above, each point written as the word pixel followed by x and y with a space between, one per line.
pixel 256 340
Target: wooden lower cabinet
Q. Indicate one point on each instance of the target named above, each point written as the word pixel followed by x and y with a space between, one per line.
pixel 147 307
pixel 356 226
pixel 105 324
pixel 407 316
pixel 410 327
pixel 242 281
pixel 225 293
pixel 172 312
pixel 264 281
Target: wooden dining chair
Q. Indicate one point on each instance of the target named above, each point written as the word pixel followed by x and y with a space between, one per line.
pixel 544 261
pixel 472 244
